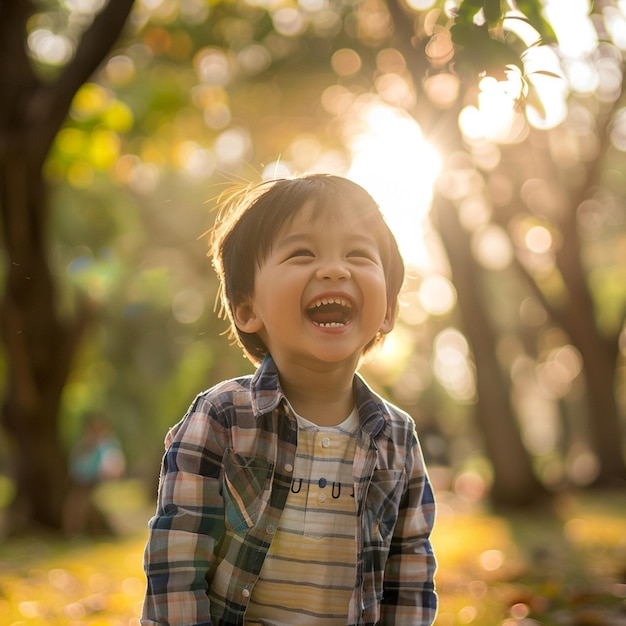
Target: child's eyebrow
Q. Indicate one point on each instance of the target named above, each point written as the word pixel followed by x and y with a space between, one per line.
pixel 365 240
pixel 355 239
pixel 292 239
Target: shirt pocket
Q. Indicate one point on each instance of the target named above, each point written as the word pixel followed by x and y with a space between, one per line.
pixel 246 487
pixel 382 504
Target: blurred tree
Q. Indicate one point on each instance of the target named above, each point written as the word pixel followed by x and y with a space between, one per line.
pixel 554 181
pixel 39 341
pixel 463 46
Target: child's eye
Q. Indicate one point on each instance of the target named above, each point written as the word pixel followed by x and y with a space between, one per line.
pixel 300 252
pixel 361 253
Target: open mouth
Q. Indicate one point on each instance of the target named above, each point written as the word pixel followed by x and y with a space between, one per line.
pixel 330 312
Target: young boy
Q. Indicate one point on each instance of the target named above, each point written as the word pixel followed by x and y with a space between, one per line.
pixel 297 496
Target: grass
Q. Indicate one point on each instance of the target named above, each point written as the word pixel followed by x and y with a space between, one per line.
pixel 566 567
pixel 558 568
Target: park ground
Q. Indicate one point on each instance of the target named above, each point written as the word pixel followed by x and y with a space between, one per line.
pixel 563 566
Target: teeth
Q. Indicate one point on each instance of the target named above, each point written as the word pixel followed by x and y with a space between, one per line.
pixel 340 301
pixel 338 319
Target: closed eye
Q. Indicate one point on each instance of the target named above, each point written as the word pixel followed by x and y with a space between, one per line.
pixel 362 253
pixel 300 252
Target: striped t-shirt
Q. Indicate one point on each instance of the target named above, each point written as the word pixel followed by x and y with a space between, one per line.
pixel 309 573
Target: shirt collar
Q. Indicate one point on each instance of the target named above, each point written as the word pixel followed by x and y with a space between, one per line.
pixel 265 387
pixel 267 395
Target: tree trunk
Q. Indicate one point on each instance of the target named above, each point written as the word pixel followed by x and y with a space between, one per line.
pixel 514 482
pixel 38 348
pixel 577 314
pixel 599 355
pixel 38 342
pixel 604 421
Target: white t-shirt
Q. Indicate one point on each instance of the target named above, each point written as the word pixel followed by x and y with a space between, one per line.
pixel 309 573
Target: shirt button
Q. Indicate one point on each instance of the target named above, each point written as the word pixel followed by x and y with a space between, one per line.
pixel 245 593
pixel 321 497
pixel 325 442
pixel 289 467
pixel 271 529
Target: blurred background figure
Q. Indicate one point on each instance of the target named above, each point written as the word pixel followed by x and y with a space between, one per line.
pixel 97 456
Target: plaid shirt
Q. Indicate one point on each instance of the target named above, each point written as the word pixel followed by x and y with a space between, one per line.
pixel 224 481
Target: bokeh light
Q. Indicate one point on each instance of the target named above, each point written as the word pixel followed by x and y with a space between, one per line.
pixel 452 365
pixel 394 163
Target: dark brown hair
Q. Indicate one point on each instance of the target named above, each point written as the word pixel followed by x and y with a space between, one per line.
pixel 246 228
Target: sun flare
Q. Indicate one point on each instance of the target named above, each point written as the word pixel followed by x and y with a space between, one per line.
pixel 398 168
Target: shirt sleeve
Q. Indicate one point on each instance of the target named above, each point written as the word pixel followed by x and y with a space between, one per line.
pixel 188 522
pixel 409 597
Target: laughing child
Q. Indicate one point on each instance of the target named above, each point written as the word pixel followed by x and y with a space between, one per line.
pixel 297 496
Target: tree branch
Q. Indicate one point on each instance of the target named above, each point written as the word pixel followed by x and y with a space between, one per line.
pixel 49 108
pixel 16 74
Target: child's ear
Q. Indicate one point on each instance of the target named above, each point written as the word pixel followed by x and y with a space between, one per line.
pixel 245 317
pixel 390 319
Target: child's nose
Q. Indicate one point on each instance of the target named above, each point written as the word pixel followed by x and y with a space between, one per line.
pixel 333 270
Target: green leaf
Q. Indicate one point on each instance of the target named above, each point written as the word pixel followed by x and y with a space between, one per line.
pixel 532 10
pixel 467 12
pixel 477 52
pixel 545 73
pixel 493 12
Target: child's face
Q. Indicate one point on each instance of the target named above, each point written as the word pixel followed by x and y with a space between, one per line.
pixel 320 296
